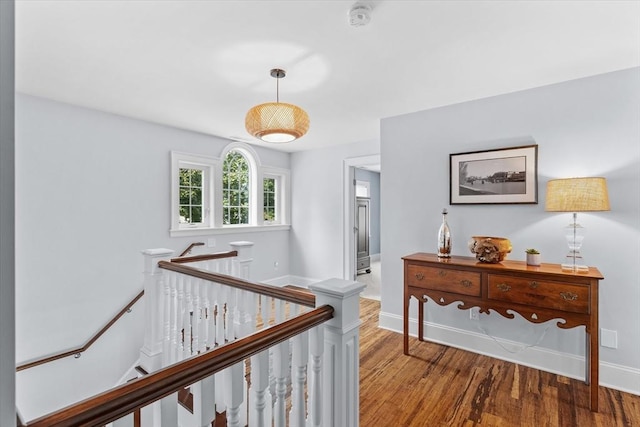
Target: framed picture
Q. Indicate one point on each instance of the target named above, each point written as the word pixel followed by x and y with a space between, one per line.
pixel 504 175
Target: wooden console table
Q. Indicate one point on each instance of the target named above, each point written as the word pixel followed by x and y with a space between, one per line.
pixel 538 294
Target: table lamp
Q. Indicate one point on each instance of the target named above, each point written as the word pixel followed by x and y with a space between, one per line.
pixel 576 195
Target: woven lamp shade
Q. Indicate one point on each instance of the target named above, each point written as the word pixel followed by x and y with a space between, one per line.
pixel 277 122
pixel 577 195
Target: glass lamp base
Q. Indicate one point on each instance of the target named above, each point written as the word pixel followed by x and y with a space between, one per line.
pixel 574 234
pixel 577 268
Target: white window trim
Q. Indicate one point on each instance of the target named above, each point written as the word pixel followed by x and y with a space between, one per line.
pixel 283 194
pixel 256 200
pixel 190 161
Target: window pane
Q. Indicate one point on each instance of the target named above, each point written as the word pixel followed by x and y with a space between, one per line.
pixel 185 195
pixel 196 178
pixel 196 214
pixel 196 196
pixel 184 215
pixel 244 215
pixel 269 214
pixel 190 194
pixel 235 182
pixel 244 198
pixel 269 196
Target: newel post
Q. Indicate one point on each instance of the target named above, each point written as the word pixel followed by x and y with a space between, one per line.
pixel 242 263
pixel 341 363
pixel 151 351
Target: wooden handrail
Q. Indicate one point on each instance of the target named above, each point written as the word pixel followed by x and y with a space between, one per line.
pixel 191 246
pixel 122 400
pixel 290 295
pixel 85 347
pixel 204 257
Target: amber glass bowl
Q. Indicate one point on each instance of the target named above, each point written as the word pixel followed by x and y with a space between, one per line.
pixel 490 249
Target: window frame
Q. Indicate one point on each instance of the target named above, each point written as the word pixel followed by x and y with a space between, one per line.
pixel 208 166
pixel 282 196
pixel 213 170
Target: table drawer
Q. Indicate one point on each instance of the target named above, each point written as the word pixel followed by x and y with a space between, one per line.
pixel 443 279
pixel 539 293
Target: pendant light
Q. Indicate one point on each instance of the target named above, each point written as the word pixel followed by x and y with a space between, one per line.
pixel 277 121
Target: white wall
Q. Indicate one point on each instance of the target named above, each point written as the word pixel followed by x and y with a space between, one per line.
pixel 317 236
pixel 93 190
pixel 586 127
pixel 7 231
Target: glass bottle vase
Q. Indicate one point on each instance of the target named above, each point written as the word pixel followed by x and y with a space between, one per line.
pixel 444 238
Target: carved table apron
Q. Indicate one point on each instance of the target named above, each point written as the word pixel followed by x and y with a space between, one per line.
pixel 538 294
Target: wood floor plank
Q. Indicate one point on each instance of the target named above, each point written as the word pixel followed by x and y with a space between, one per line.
pixel 438 386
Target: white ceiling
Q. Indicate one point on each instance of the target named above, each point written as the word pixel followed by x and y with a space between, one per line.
pixel 200 65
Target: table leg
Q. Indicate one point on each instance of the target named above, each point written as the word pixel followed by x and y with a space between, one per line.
pixel 420 321
pixel 594 366
pixel 406 324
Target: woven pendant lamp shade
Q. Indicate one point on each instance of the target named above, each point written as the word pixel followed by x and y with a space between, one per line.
pixel 577 195
pixel 277 122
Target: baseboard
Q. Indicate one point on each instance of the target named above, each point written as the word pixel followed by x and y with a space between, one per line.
pixel 374 257
pixel 613 376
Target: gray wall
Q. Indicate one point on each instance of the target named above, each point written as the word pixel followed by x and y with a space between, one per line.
pixel 374 207
pixel 93 190
pixel 7 231
pixel 585 127
pixel 317 235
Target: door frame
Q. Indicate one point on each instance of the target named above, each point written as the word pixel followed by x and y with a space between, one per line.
pixel 349 209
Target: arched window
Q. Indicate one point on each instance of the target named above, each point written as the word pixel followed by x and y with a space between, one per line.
pixel 212 195
pixel 236 188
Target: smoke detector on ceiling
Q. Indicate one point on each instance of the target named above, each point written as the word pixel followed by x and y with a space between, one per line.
pixel 359 14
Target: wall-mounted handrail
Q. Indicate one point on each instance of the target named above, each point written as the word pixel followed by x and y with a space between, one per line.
pixel 288 294
pixel 204 257
pixel 122 400
pixel 77 351
pixel 191 246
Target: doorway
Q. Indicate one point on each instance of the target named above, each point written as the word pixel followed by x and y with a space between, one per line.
pixel 362 222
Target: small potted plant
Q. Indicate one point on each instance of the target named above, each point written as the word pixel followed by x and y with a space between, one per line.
pixel 533 257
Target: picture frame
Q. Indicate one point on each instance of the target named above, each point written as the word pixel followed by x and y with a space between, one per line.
pixel 498 176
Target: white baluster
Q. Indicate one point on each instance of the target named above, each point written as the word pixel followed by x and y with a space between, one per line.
pixel 234 391
pixel 316 347
pixel 169 410
pixel 175 318
pixel 280 367
pixel 180 313
pixel 259 396
pixel 168 304
pixel 232 314
pixel 300 344
pixel 197 318
pixel 207 401
pixel 188 318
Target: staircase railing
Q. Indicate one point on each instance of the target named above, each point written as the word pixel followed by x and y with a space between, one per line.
pixel 77 351
pixel 206 329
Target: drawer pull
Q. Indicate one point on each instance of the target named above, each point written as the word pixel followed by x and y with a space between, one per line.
pixel 442 273
pixel 465 283
pixel 503 287
pixel 419 276
pixel 533 285
pixel 569 296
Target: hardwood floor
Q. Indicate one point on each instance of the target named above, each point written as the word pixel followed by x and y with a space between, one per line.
pixel 443 386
